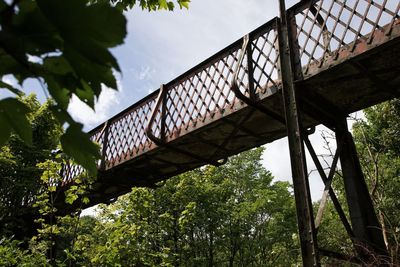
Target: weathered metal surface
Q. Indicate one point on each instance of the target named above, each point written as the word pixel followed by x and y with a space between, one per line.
pixel 367 230
pixel 301 188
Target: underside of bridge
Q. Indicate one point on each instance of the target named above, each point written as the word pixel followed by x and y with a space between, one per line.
pixel 284 78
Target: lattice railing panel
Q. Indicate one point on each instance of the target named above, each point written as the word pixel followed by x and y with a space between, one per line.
pixel 326 26
pixel 207 89
pixel 202 93
pixel 71 170
pixel 126 134
pixel 265 57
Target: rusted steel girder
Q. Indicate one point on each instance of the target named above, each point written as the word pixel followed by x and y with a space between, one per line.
pixel 305 218
pixel 366 227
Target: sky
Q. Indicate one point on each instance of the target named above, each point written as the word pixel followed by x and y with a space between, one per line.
pixel 161 45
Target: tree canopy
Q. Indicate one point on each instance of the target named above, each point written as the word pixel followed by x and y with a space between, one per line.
pixel 19 174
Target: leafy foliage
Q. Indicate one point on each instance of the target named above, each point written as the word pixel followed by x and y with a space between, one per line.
pixel 19 182
pixel 377 140
pixel 228 216
pixel 29 175
pixel 65 46
pixel 150 5
pixel 378 143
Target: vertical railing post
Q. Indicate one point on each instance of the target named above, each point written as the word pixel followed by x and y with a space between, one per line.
pixel 104 148
pixel 163 114
pixel 366 227
pixel 250 71
pixel 305 218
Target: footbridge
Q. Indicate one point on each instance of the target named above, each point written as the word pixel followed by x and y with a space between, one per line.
pixel 315 64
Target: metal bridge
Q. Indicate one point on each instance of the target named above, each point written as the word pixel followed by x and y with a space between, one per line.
pixel 318 62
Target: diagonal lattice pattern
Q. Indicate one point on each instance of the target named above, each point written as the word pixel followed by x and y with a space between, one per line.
pixel 322 29
pixel 265 56
pixel 196 96
pixel 326 26
pixel 201 94
pixel 206 90
pixel 126 134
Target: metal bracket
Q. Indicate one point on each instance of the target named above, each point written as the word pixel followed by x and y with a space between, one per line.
pixel 161 141
pixel 148 130
pixel 236 90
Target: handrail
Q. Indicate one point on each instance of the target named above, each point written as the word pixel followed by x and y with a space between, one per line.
pixel 236 90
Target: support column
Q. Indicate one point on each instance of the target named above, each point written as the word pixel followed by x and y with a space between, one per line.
pixel 305 218
pixel 365 224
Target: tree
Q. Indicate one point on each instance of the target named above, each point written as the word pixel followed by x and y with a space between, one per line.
pixel 64 45
pixel 19 174
pixel 378 146
pixel 378 142
pixel 233 215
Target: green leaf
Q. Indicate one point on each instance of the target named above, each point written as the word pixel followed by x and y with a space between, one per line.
pixel 163 4
pixel 13 116
pixel 171 6
pixel 61 115
pixel 57 65
pixel 75 18
pixel 86 94
pixel 77 144
pixel 61 95
pixel 85 200
pixel 9 65
pixel 184 3
pixel 93 73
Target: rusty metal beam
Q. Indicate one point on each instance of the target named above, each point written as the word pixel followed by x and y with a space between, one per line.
pixel 235 130
pixel 305 218
pixel 366 227
pixel 319 108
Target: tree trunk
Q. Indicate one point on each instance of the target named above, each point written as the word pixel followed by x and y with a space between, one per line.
pixel 211 250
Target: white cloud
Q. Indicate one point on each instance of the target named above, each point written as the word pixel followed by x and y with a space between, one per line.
pixel 107 103
pixel 145 73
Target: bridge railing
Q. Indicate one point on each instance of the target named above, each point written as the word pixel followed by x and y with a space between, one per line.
pixel 200 96
pixel 328 30
pixel 324 31
pixel 204 93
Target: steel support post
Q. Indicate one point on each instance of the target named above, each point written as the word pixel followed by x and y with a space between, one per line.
pixel 365 224
pixel 305 218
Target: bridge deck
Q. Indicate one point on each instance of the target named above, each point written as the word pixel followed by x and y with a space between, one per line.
pixel 347 60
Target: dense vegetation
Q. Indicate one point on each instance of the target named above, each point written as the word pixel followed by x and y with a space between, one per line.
pixel 234 215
